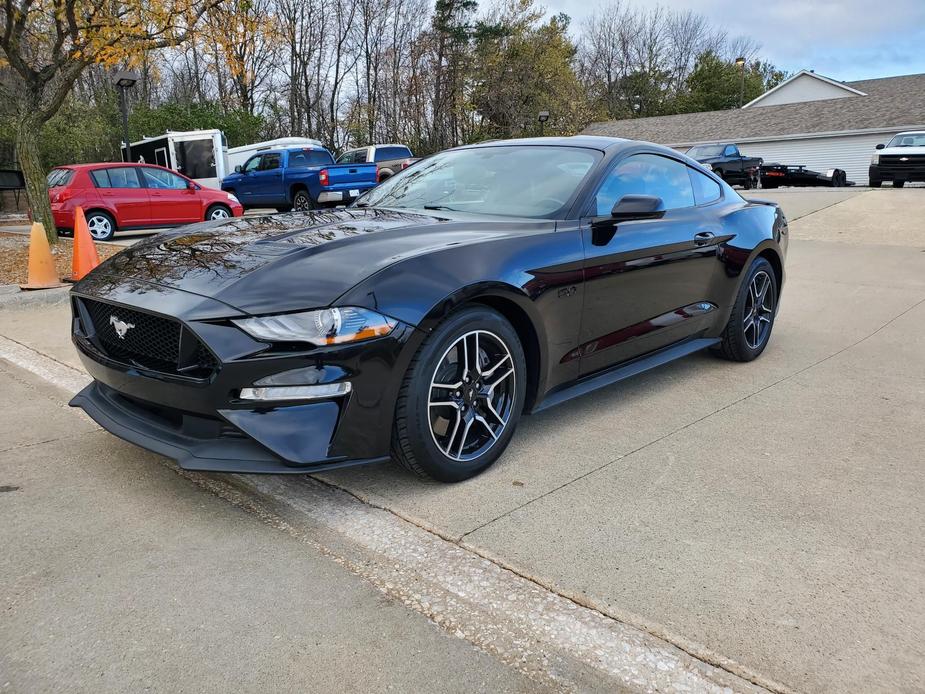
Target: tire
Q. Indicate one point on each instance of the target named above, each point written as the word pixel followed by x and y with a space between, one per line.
pixel 873 183
pixel 302 201
pixel 218 212
pixel 458 440
pixel 741 339
pixel 898 184
pixel 101 225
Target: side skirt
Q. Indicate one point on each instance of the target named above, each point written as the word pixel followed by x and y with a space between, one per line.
pixel 624 371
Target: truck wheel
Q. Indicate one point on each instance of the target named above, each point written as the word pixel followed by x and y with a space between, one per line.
pixel 898 184
pixel 302 201
pixel 875 183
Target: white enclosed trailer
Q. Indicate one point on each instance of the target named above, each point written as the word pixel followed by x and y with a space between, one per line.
pixel 197 154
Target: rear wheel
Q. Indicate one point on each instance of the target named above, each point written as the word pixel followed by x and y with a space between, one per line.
pixel 875 183
pixel 898 184
pixel 752 318
pixel 302 201
pixel 462 397
pixel 102 227
pixel 218 212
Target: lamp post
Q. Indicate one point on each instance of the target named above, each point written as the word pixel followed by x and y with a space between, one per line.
pixel 740 61
pixel 542 118
pixel 124 80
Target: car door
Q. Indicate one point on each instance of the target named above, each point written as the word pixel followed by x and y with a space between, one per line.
pixel 121 189
pixel 646 281
pixel 267 179
pixel 174 199
pixel 244 187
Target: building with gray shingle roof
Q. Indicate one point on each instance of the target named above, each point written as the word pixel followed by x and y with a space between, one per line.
pixel 808 119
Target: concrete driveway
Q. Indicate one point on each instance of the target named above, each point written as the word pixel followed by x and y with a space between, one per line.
pixel 766 517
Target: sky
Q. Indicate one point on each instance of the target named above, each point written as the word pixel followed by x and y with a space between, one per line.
pixel 842 39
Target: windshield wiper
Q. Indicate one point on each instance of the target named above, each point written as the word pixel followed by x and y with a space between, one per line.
pixel 440 207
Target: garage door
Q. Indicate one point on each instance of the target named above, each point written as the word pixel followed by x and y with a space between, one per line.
pixel 850 153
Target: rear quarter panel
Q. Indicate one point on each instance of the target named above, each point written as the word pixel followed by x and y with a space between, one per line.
pixel 752 229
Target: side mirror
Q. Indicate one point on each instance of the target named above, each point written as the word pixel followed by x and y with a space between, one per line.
pixel 638 207
pixel 237 169
pixel 881 146
pixel 191 186
pixel 628 208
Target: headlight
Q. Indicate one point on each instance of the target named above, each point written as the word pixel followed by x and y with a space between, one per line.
pixel 875 159
pixel 328 326
pixel 232 198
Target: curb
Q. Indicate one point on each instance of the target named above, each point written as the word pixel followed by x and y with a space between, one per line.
pixel 12 297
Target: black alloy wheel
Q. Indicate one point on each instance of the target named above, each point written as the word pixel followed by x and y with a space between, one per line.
pixel 752 319
pixel 462 397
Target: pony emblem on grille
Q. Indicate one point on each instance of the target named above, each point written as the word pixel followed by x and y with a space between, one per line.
pixel 121 326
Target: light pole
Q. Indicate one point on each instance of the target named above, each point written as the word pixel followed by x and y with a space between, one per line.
pixel 542 118
pixel 740 61
pixel 124 80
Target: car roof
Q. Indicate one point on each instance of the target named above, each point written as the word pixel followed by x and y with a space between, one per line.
pixel 109 164
pixel 590 141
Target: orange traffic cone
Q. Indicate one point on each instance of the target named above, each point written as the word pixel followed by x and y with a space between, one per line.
pixel 85 255
pixel 42 271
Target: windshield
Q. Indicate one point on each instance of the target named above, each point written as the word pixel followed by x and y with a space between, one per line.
pixel 59 177
pixel 908 140
pixel 516 181
pixel 704 151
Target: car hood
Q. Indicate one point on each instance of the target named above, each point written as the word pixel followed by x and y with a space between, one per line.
pixel 284 262
pixel 902 151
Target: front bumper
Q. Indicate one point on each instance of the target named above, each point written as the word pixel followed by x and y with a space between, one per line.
pixel 913 171
pixel 205 444
pixel 204 425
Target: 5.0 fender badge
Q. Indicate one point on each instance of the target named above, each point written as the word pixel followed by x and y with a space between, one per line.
pixel 121 326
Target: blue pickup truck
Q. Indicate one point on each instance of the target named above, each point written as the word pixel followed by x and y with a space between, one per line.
pixel 299 178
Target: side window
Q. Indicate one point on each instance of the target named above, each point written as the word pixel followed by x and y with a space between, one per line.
pixel 354 156
pixel 706 190
pixel 646 174
pixel 163 180
pixel 251 164
pixel 121 177
pixel 731 151
pixel 270 162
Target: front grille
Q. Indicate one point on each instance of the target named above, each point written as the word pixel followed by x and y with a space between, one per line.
pixel 150 341
pixel 903 162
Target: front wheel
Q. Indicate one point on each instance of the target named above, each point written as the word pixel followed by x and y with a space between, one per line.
pixel 898 184
pixel 218 212
pixel 752 318
pixel 462 397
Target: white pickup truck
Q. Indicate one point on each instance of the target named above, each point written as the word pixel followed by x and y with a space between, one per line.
pixel 901 159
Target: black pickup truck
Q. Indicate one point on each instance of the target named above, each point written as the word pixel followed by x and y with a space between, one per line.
pixel 726 161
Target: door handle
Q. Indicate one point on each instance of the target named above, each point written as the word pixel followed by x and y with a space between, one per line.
pixel 703 238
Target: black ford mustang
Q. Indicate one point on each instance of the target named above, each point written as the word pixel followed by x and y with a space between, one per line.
pixel 419 324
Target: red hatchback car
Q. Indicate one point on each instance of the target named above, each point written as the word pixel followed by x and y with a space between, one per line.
pixel 120 197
